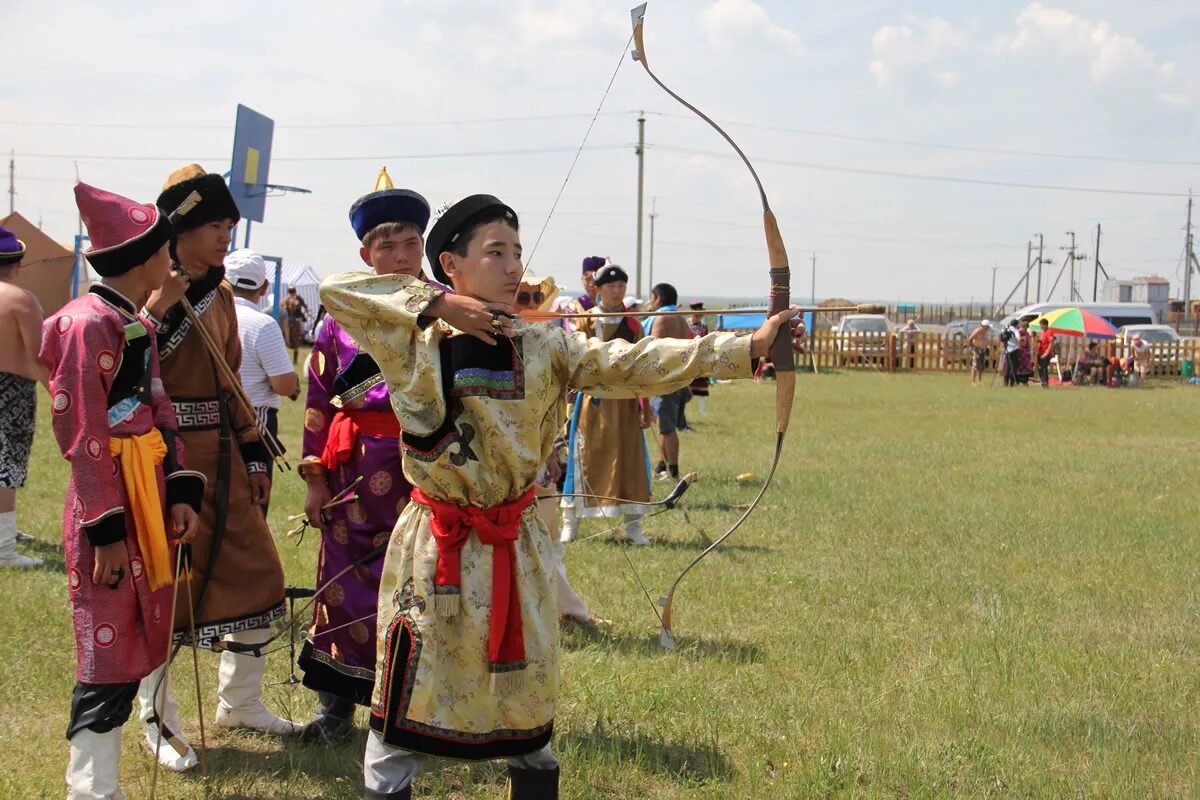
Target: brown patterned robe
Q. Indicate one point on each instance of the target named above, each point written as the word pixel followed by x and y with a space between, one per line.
pixel 242 587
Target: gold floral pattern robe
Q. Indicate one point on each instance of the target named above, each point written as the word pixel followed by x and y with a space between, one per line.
pixel 479 421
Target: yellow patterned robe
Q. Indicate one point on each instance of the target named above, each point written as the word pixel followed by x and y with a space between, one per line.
pixel 479 421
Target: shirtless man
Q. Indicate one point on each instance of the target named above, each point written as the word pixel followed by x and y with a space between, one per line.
pixel 20 339
pixel 978 343
pixel 663 297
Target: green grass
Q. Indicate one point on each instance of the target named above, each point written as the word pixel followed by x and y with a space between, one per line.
pixel 948 592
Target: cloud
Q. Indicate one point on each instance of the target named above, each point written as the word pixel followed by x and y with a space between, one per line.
pixel 898 49
pixel 729 22
pixel 1111 58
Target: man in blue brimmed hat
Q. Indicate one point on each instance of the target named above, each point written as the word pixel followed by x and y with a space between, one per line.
pixel 20 335
pixel 352 450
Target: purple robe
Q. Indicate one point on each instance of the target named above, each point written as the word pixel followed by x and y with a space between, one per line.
pixel 339 656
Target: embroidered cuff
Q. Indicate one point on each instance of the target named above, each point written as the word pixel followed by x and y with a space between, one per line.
pixel 256 467
pixel 186 486
pixel 255 452
pixel 106 529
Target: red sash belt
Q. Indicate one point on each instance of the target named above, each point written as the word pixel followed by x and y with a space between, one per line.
pixel 499 527
pixel 345 428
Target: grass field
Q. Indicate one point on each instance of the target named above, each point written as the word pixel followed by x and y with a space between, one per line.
pixel 948 592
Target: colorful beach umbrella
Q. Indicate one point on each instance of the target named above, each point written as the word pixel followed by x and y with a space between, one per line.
pixel 1075 321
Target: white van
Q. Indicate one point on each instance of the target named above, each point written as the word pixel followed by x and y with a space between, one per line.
pixel 1118 314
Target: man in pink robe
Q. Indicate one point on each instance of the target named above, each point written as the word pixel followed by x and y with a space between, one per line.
pixel 128 494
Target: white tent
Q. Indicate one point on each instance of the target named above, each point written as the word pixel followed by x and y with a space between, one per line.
pixel 303 278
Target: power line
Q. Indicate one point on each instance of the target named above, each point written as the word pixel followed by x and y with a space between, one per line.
pixel 852 137
pixel 937 146
pixel 312 125
pixel 922 176
pixel 384 157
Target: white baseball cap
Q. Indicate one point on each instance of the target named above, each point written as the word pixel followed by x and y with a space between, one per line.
pixel 245 269
pixel 987 323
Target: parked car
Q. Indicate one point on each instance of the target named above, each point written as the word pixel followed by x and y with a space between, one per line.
pixel 954 344
pixel 1164 362
pixel 862 337
pixel 1154 334
pixel 1117 314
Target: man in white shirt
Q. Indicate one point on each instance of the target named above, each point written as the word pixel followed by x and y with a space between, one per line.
pixel 266 372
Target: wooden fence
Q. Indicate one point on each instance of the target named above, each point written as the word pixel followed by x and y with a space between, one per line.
pixel 933 352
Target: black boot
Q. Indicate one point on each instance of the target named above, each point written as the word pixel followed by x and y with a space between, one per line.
pixel 333 723
pixel 403 794
pixel 532 784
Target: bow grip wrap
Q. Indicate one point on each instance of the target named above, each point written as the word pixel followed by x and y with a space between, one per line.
pixel 782 357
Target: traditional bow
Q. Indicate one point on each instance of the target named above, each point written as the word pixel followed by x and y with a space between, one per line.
pixel 781 349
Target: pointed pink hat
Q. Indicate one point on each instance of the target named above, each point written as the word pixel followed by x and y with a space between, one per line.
pixel 123 233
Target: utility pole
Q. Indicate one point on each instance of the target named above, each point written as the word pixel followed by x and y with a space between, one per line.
pixel 650 272
pixel 1189 257
pixel 814 278
pixel 1041 246
pixel 12 181
pixel 1072 257
pixel 1099 268
pixel 641 154
pixel 1028 266
pixel 993 305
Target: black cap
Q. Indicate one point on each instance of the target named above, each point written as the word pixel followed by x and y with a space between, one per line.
pixel 610 273
pixel 455 220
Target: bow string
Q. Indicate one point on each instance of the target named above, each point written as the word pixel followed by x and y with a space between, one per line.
pixel 781 349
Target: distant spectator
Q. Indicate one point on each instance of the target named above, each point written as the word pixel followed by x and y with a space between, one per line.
pixel 1142 357
pixel 1091 365
pixel 908 334
pixel 633 303
pixel 295 312
pixel 1010 337
pixel 663 297
pixel 1046 350
pixel 265 371
pixel 978 343
pixel 1024 352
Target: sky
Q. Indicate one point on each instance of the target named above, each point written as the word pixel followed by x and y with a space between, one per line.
pixel 912 147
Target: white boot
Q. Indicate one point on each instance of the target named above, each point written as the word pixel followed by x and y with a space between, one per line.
pixel 9 557
pixel 94 766
pixel 570 525
pixel 239 692
pixel 173 740
pixel 633 530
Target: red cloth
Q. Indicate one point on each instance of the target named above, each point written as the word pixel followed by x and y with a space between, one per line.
pixel 345 428
pixel 498 526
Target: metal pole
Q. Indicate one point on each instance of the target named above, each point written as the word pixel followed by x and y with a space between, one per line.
pixel 641 154
pixel 1041 245
pixel 1028 264
pixel 1071 256
pixel 814 279
pixel 994 290
pixel 650 271
pixel 1096 269
pixel 1187 272
pixel 246 243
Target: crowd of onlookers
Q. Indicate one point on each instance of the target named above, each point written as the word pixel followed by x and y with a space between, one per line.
pixel 1022 348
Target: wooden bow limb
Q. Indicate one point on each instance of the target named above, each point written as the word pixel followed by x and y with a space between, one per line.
pixel 861 308
pixel 164 684
pixel 779 278
pixel 195 661
pixel 669 501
